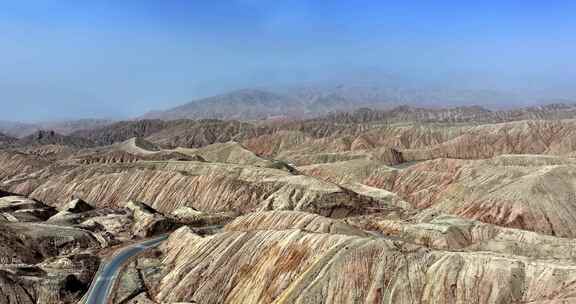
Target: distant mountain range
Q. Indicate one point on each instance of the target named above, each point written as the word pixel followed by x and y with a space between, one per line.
pixel 21 129
pixel 247 104
pixel 304 103
pixel 202 132
pixel 462 114
pixel 309 102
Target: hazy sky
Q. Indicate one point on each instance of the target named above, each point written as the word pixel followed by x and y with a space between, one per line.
pixel 64 59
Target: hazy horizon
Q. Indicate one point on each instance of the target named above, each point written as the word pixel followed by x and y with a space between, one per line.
pixel 106 59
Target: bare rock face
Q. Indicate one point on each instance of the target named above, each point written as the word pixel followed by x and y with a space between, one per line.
pixel 139 145
pixel 129 286
pixel 294 266
pixel 229 152
pixel 362 143
pixel 52 152
pixel 196 134
pixel 15 208
pixel 147 221
pixel 359 208
pixel 524 137
pixel 282 220
pixel 323 157
pixel 211 187
pixel 167 155
pixel 13 291
pixel 110 223
pixel 194 217
pixel 136 279
pixel 448 232
pixel 109 158
pixel 123 157
pixel 508 192
pixel 197 158
pixel 16 164
pixel 42 263
pixel 188 212
pixel 45 240
pixel 414 142
pixel 70 279
pixel 47 257
pixel 77 206
pixel 141 298
pixel 388 156
pixel 347 172
pixel 121 131
pixel 27 238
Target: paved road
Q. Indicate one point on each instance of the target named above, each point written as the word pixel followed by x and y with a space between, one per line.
pixel 103 283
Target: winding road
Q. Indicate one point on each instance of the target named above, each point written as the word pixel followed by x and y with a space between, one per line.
pixel 103 283
pixel 104 280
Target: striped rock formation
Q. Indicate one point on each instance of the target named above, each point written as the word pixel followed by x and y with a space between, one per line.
pixel 296 266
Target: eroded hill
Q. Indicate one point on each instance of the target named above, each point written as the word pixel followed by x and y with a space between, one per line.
pixel 409 205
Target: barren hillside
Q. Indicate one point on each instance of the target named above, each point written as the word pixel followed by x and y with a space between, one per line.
pixel 409 205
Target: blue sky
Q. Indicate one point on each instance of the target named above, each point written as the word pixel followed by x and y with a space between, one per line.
pixel 119 58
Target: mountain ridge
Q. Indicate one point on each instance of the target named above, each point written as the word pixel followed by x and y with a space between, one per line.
pixel 311 102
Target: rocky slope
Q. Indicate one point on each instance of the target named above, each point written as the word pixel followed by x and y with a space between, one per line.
pixel 51 152
pixel 465 206
pixel 406 143
pixel 195 134
pixel 229 152
pixel 121 131
pixel 465 114
pixel 525 137
pixel 172 134
pixel 50 256
pixel 282 220
pixel 527 192
pixel 147 221
pixel 402 128
pixel 204 186
pixel 530 192
pixel 41 262
pixel 295 266
pixel 16 164
pixel 52 138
